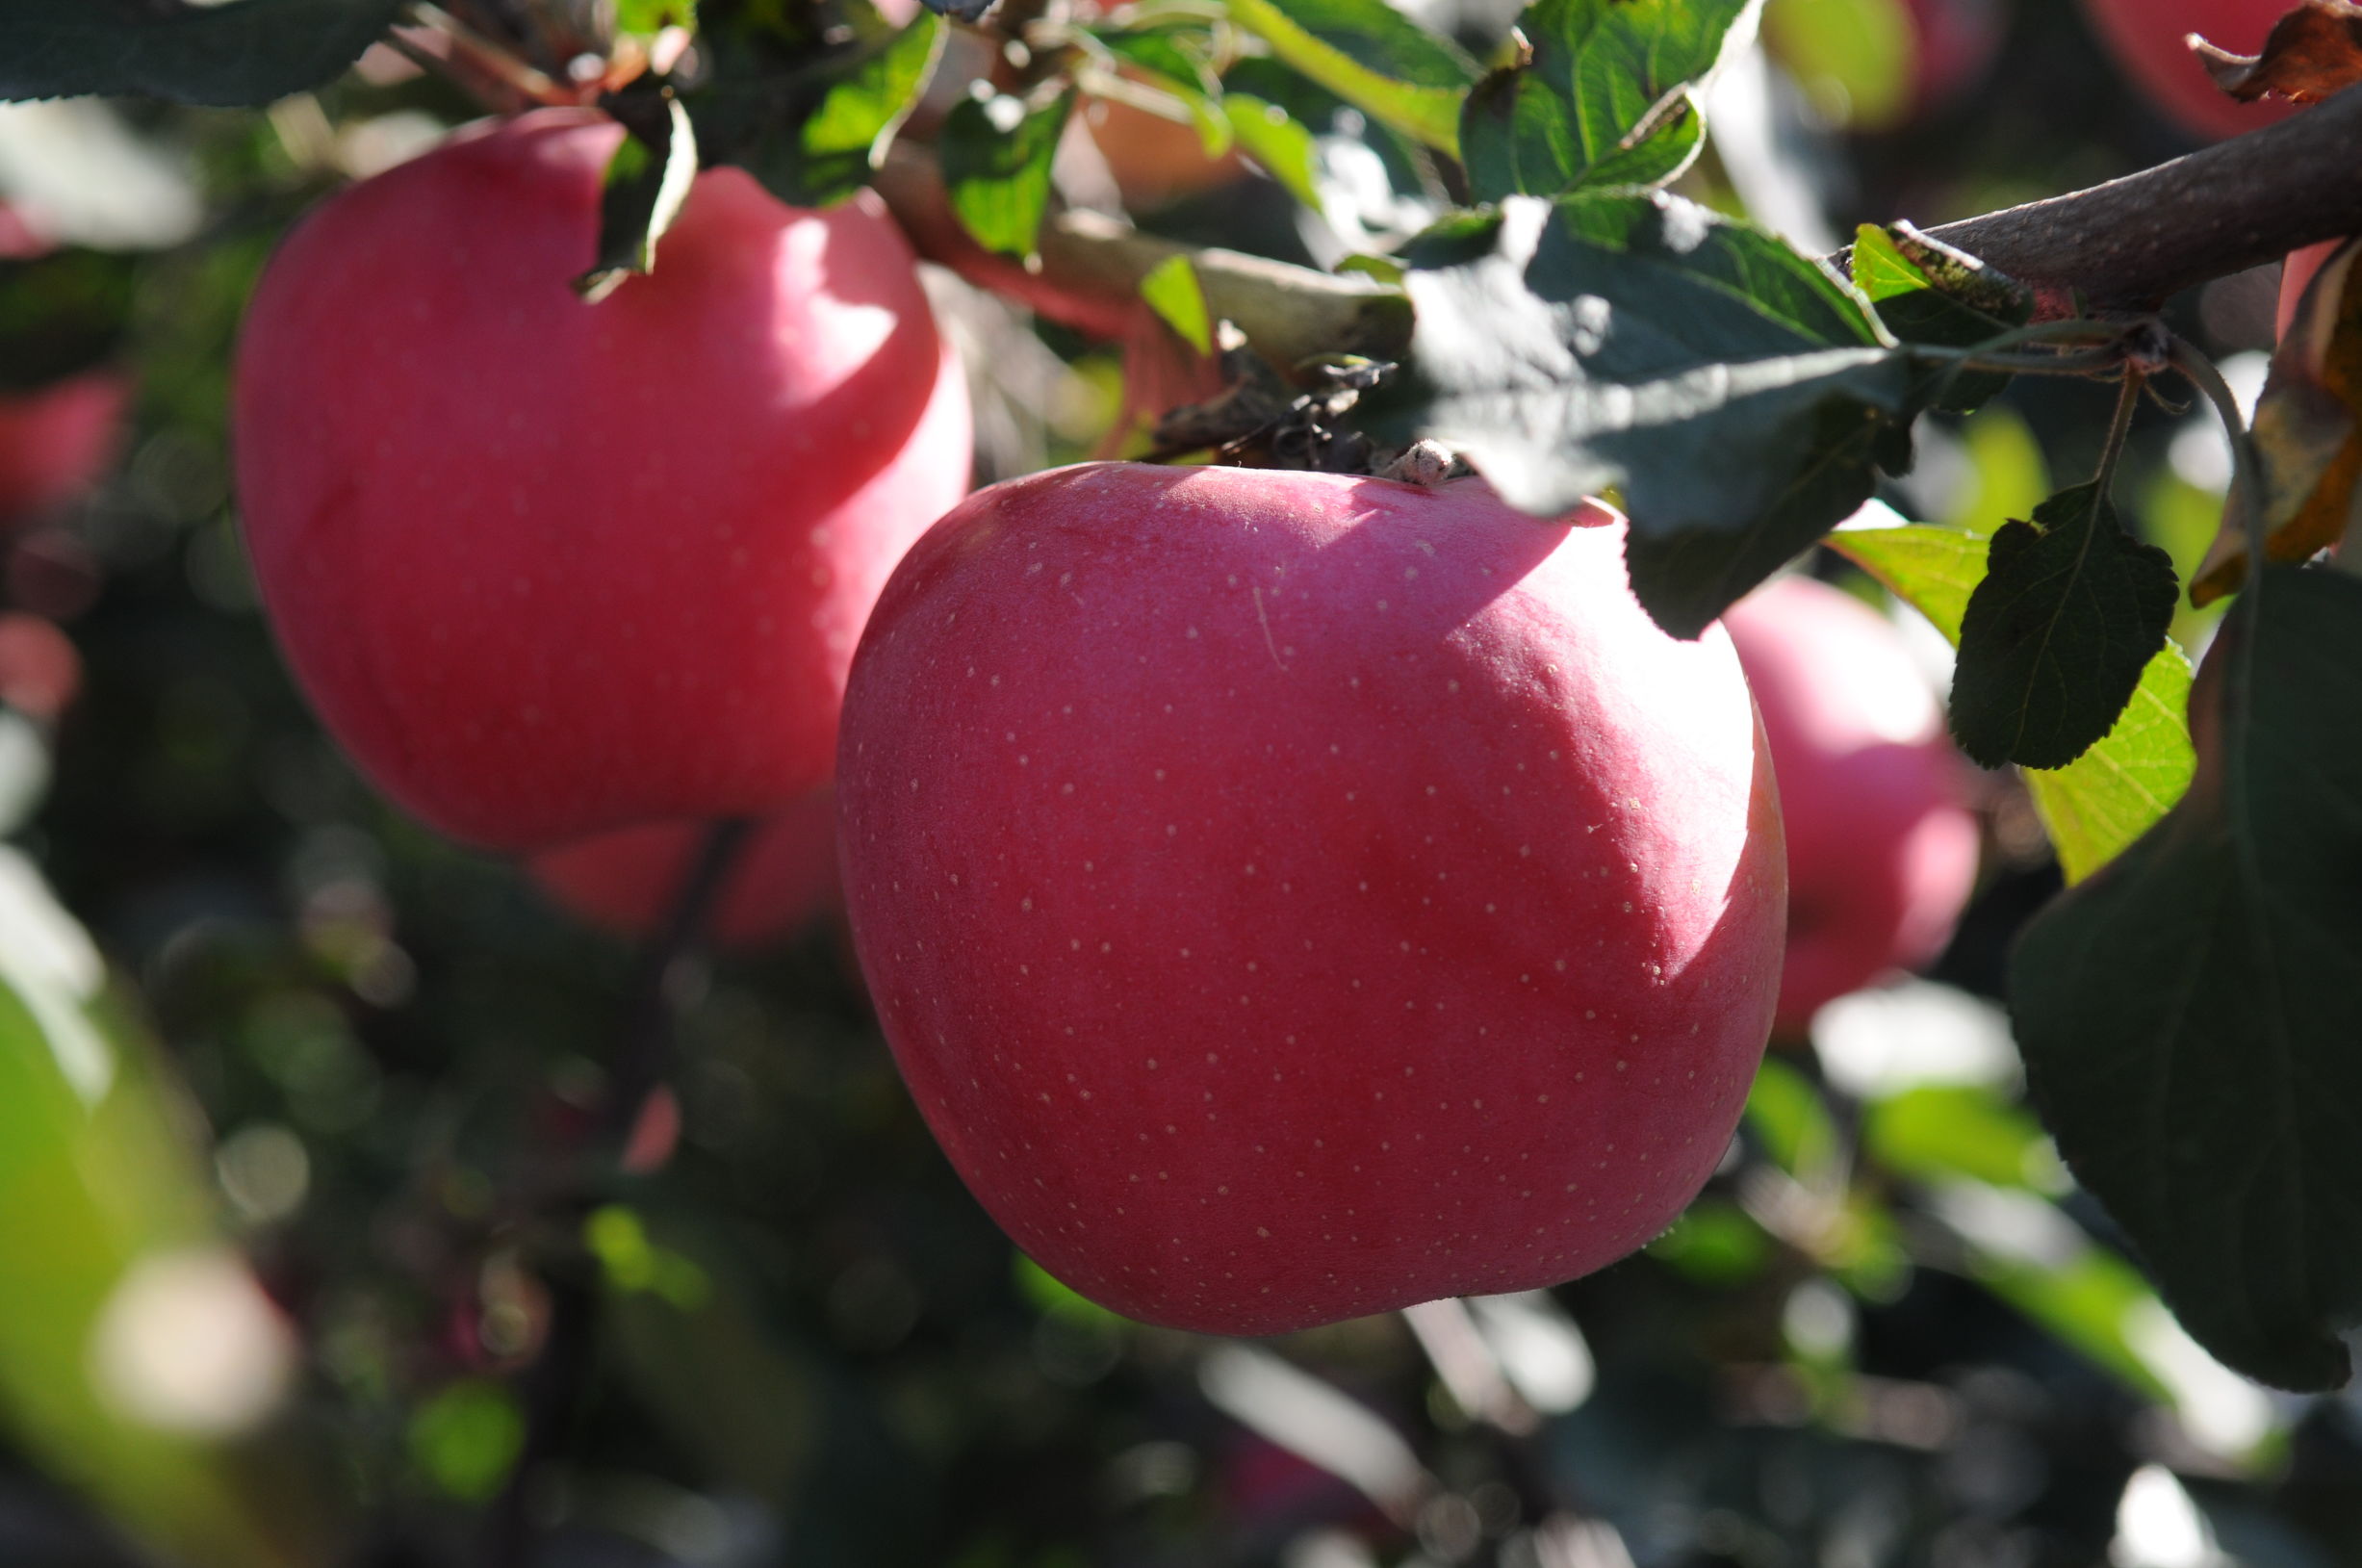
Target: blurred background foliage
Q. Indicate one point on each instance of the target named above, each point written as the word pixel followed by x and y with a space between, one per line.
pixel 286 1097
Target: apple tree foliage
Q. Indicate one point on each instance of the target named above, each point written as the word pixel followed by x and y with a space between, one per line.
pixel 2185 1008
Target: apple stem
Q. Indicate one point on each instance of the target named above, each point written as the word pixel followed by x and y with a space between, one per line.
pixel 453 50
pixel 2127 398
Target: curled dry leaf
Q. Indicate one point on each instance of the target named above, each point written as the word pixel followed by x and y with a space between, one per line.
pixel 2308 445
pixel 2312 52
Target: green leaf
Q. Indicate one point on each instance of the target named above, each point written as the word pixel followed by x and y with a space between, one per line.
pixel 1599 99
pixel 996 164
pixel 98 1186
pixel 1968 305
pixel 2187 1015
pixel 1788 1113
pixel 249 52
pixel 1739 396
pixel 1854 58
pixel 2112 794
pixel 1285 149
pixel 2055 639
pixel 1373 58
pixel 468 1438
pixel 1171 290
pixel 648 182
pixel 810 122
pixel 846 135
pixel 1934 1131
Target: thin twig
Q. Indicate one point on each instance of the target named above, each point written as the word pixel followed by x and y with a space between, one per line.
pixel 554 1386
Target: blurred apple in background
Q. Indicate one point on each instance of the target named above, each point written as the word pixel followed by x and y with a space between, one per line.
pixel 625 881
pixel 2145 37
pixel 56 440
pixel 1881 849
pixel 41 674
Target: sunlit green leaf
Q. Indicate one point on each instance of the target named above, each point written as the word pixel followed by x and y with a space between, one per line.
pixel 1373 58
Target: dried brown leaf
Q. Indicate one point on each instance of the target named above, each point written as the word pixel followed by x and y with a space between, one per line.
pixel 2308 432
pixel 2312 52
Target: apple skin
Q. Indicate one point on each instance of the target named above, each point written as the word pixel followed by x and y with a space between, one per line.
pixel 2144 37
pixel 55 441
pixel 1882 848
pixel 548 568
pixel 1291 896
pixel 625 881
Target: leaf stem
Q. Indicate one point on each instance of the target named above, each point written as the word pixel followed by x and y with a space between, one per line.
pixel 2127 398
pixel 2247 481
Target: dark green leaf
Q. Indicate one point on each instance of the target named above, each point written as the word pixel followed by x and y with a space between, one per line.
pixel 2188 1014
pixel 246 52
pixel 2114 792
pixel 996 164
pixel 1373 58
pixel 1970 305
pixel 646 182
pixel 1739 395
pixel 810 121
pixel 1600 101
pixel 2055 639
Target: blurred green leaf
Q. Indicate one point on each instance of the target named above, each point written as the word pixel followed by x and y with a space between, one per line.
pixel 467 1439
pixel 1934 1131
pixel 1854 58
pixel 2007 475
pixel 1373 58
pixel 1714 1243
pixel 2187 1015
pixel 2113 794
pixel 2057 633
pixel 1053 1296
pixel 1599 101
pixel 996 158
pixel 1173 290
pixel 253 52
pixel 1282 147
pixel 1739 397
pixel 1789 1114
pixel 97 1184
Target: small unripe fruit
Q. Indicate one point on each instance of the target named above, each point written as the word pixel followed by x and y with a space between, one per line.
pixel 1291 895
pixel 548 568
pixel 1881 849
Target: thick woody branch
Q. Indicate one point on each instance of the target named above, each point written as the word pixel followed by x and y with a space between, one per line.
pixel 2133 242
pixel 1091 268
pixel 2128 244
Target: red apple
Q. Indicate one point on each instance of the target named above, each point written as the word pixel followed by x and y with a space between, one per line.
pixel 548 568
pixel 2146 38
pixel 1293 895
pixel 625 881
pixel 1952 43
pixel 1882 850
pixel 55 441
